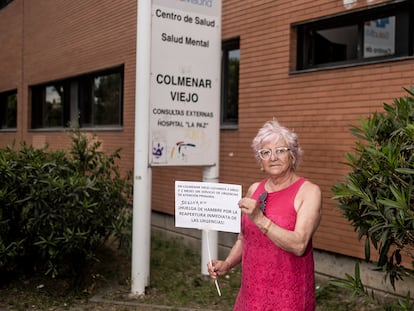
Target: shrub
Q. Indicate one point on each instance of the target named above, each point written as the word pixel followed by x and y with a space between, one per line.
pixel 57 208
pixel 377 195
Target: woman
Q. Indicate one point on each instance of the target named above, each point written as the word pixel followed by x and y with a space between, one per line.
pixel 279 217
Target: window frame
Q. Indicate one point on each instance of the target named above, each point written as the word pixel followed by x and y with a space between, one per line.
pixel 403 10
pixel 4 111
pixel 74 102
pixel 4 3
pixel 228 46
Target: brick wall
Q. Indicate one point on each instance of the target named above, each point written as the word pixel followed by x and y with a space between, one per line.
pixel 56 39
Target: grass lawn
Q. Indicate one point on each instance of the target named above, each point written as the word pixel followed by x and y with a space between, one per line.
pixel 175 281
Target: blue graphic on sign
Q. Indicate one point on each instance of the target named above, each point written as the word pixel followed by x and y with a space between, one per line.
pixel 157 151
pixel 382 22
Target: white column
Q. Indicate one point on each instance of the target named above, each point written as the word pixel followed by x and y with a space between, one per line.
pixel 141 224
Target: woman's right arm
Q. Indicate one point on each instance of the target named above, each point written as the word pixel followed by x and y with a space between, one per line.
pixel 221 267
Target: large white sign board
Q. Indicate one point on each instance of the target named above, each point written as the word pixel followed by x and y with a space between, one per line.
pixel 211 206
pixel 185 82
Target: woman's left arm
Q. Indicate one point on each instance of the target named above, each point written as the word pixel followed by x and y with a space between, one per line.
pixel 308 203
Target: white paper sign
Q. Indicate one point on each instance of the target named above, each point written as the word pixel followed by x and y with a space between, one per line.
pixel 379 37
pixel 211 206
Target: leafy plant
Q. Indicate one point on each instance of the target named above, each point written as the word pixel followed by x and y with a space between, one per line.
pixel 377 196
pixel 352 283
pixel 357 289
pixel 57 209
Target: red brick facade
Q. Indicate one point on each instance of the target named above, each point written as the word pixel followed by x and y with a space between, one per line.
pixel 44 40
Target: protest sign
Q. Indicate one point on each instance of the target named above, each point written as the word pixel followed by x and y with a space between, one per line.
pixel 210 206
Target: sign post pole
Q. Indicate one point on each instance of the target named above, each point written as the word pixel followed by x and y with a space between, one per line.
pixel 210 243
pixel 141 222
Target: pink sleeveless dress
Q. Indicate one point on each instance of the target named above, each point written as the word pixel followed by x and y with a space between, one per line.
pixel 272 278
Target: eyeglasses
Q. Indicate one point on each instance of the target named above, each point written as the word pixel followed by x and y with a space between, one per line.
pixel 266 154
pixel 262 201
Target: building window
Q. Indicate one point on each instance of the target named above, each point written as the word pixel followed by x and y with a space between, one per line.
pixel 4 3
pixel 8 110
pixel 230 83
pixel 91 100
pixel 378 33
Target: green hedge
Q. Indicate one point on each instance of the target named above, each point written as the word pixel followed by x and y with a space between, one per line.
pixel 58 208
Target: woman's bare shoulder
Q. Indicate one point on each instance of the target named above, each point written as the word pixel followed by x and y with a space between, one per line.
pixel 309 186
pixel 309 191
pixel 252 189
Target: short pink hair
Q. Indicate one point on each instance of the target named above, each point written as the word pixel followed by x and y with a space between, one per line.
pixel 272 131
